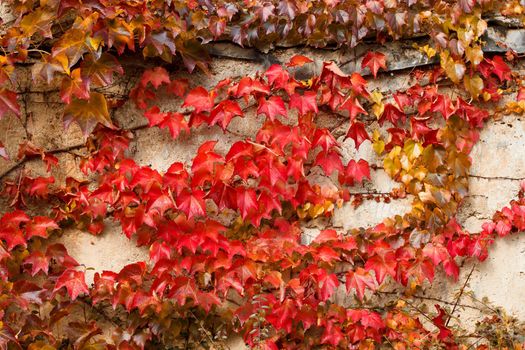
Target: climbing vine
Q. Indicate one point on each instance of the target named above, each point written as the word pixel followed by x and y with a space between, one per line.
pixel 225 230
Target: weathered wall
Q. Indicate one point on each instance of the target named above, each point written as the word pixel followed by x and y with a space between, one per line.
pixel 499 165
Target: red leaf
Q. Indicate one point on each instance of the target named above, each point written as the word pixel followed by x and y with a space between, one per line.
pixel 356 171
pixel 374 61
pixel 175 122
pixel 392 114
pixel 382 264
pixel 358 133
pixel 443 105
pixel 328 282
pixel 246 201
pixel 74 86
pixel 154 116
pixel 223 113
pixel 272 107
pixel 436 253
pixel 8 102
pixel 248 86
pixel 332 334
pixel 199 99
pixel 178 87
pixel 191 203
pixel 39 225
pixel 277 76
pixel 156 76
pixel 58 252
pixel 326 236
pixel 353 107
pixel 324 138
pixel 282 316
pixel 132 273
pixel 501 69
pixel 451 268
pixel 304 103
pixel 38 261
pixel 359 280
pixel 440 323
pixel 329 162
pixel 298 61
pixel 39 187
pixel 73 281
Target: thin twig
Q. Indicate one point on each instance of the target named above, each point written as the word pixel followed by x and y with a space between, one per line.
pixel 460 294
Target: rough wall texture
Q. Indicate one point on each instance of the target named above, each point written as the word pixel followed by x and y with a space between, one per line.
pixel 499 165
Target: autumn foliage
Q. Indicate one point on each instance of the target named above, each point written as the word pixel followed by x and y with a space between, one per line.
pixel 225 231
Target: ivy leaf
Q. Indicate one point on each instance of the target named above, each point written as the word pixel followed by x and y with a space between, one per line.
pixel 353 107
pixel 328 282
pixel 304 103
pixel 501 69
pixel 155 116
pixel 87 113
pixel 175 122
pixel 440 323
pixel 356 171
pixel 8 102
pixel 199 99
pixel 277 76
pixel 436 253
pixel 382 264
pixel 39 225
pixel 38 261
pixel 156 77
pixel 100 71
pixel 74 86
pixel 191 203
pixel 329 161
pixel 298 61
pixel 271 107
pixel 282 316
pixel 73 281
pixel 359 280
pixel 246 201
pixel 374 61
pixel 223 113
pixel 358 133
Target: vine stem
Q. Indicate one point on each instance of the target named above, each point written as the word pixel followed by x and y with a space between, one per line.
pixel 461 291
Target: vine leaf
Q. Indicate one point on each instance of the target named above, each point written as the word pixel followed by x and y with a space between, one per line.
pixel 357 132
pixel 8 102
pixel 87 113
pixel 374 61
pixel 271 107
pixel 298 61
pixel 39 226
pixel 359 280
pixel 73 281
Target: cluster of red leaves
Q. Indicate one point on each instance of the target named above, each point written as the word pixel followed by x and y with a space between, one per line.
pixel 277 291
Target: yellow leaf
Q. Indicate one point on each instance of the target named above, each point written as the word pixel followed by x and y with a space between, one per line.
pixel 474 55
pixel 474 85
pixel 454 70
pixel 427 50
pixel 87 113
pixel 378 106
